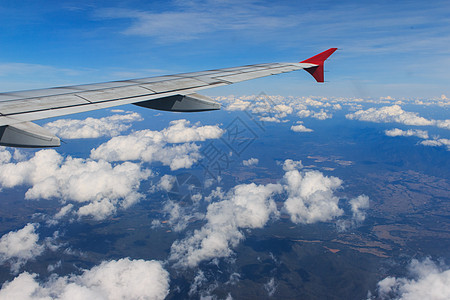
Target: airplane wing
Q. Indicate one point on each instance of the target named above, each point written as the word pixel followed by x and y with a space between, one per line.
pixel 171 93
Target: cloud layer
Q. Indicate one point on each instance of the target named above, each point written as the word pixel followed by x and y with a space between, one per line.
pixel 309 199
pixel 51 175
pixel 115 279
pixel 395 114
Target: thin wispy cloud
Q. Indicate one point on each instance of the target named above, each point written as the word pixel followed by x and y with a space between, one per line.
pixel 194 19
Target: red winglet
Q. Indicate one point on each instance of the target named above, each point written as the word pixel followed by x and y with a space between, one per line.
pixel 319 59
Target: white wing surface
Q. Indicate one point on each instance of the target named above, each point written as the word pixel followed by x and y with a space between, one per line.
pixel 172 93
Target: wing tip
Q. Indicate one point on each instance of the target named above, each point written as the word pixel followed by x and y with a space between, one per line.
pixel 318 60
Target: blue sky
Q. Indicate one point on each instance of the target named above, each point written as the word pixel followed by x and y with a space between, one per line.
pixel 388 48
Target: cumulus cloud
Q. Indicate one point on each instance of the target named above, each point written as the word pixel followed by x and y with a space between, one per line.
pixel 246 206
pixel 270 119
pixel 427 280
pixel 17 247
pixel 300 128
pixel 166 182
pixel 5 155
pixel 142 279
pixel 236 103
pixel 443 124
pixel 250 162
pixel 313 102
pixel 320 115
pixel 395 114
pixel 71 179
pixel 290 165
pixel 92 127
pixel 181 131
pixel 172 146
pixel 283 108
pixel 310 196
pixel 359 206
pixel 423 134
pixel 437 143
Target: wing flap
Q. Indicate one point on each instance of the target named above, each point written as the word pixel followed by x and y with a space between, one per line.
pixel 27 135
pixel 182 103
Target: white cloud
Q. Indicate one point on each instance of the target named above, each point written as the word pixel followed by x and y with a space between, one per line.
pixel 181 131
pixel 250 162
pixel 166 182
pixel 310 196
pixel 395 114
pixel 247 206
pixel 304 113
pixel 359 206
pixel 142 279
pixel 310 199
pixel 312 102
pixel 423 134
pixel 437 143
pixel 92 127
pixel 443 124
pixel 5 155
pixel 275 108
pixel 283 108
pixel 236 104
pixel 427 280
pixel 150 146
pixel 322 115
pixel 71 179
pixel 300 128
pixel 17 247
pixel 270 119
pixel 337 106
pixel 180 216
pixel 290 165
pixel 63 211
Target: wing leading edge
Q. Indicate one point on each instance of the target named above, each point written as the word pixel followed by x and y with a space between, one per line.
pixel 172 93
